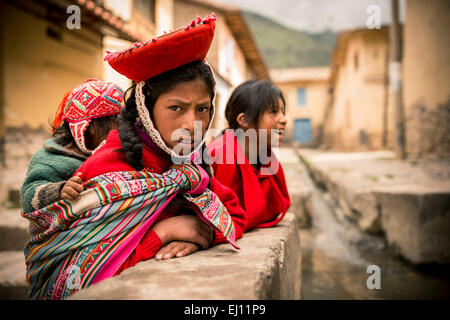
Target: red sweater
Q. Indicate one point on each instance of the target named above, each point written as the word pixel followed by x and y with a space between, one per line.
pixel 108 159
pixel 265 198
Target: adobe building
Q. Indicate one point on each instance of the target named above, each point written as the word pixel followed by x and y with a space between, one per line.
pixel 358 115
pixel 41 58
pixel 361 112
pixel 306 92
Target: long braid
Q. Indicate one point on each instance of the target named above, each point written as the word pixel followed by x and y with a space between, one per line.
pixel 131 144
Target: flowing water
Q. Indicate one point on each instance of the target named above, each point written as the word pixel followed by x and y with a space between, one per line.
pixel 336 255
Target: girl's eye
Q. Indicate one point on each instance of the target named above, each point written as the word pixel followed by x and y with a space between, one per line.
pixel 175 108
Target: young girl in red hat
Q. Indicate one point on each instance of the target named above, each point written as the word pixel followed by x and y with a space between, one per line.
pixel 242 156
pixel 83 120
pixel 175 88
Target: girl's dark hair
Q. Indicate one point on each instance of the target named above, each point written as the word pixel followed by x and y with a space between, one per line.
pixel 253 98
pixel 104 123
pixel 154 87
pixel 64 136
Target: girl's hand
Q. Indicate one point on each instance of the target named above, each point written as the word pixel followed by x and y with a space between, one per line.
pixel 72 188
pixel 176 249
pixel 185 228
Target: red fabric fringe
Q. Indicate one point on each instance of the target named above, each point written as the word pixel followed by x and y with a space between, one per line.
pixel 60 112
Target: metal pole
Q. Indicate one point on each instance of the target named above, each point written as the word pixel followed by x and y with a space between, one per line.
pixel 395 78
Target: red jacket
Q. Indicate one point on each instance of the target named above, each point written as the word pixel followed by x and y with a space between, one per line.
pixel 265 198
pixel 108 159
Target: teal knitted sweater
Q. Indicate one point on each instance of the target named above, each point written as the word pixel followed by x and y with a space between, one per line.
pixel 48 171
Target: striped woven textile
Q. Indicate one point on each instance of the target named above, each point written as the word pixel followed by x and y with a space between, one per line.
pixel 77 243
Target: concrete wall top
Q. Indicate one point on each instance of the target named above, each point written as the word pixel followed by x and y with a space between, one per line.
pixel 266 267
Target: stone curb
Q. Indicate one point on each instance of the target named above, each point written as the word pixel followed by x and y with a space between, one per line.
pixel 299 190
pixel 268 266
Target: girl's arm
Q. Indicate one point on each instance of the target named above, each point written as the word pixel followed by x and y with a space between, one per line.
pixel 145 250
pixel 188 228
pixel 40 188
pixel 42 194
pixel 175 236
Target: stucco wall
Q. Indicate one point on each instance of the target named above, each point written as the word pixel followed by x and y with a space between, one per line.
pixel 38 69
pixel 426 70
pixel 356 118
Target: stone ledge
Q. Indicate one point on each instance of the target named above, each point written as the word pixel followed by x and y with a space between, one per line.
pixel 406 201
pixel 300 191
pixel 268 266
pixel 417 225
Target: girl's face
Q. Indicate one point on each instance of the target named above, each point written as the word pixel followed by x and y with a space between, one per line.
pixel 97 132
pixel 274 121
pixel 186 105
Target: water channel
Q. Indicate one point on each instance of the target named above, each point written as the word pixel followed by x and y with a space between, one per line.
pixel 336 255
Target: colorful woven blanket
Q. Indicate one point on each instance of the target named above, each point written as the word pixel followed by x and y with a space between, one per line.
pixel 77 243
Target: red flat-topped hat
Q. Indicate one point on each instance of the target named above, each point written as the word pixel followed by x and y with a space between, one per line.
pixel 166 52
pixel 171 50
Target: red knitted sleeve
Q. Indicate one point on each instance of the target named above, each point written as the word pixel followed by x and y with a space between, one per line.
pixel 145 250
pixel 231 202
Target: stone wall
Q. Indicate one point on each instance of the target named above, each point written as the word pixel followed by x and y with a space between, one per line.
pixel 268 266
pixel 426 69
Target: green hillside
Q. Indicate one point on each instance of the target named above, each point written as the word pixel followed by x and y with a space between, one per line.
pixel 283 47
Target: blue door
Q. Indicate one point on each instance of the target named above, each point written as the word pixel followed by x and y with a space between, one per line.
pixel 302 130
